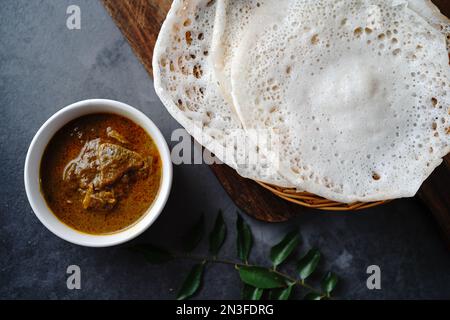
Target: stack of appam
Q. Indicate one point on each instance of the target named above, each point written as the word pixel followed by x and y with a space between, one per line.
pixel 345 99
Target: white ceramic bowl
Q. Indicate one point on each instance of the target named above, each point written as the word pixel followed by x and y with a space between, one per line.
pixel 36 150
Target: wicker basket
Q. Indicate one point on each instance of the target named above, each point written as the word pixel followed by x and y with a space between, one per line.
pixel 310 200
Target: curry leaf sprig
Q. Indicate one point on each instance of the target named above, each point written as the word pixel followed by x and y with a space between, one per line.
pixel 258 281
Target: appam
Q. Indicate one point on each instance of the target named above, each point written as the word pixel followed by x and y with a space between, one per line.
pixel 186 83
pixel 356 91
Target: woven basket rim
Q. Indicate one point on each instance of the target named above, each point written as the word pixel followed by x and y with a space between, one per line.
pixel 310 200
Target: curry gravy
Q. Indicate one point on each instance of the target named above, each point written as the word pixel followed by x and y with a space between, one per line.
pixel 100 173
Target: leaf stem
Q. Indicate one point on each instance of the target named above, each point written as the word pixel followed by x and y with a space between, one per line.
pixel 239 264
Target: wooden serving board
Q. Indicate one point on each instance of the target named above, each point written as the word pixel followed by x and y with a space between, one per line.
pixel 140 22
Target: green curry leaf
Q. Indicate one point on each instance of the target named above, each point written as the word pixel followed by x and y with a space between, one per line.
pixel 152 254
pixel 217 235
pixel 261 277
pixel 192 282
pixel 313 296
pixel 308 263
pixel 329 282
pixel 282 293
pixel 244 239
pixel 284 248
pixel 251 293
pixel 193 237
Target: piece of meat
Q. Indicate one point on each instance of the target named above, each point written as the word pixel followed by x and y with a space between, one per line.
pixel 122 186
pixel 103 172
pixel 82 170
pixel 102 200
pixel 116 135
pixel 114 162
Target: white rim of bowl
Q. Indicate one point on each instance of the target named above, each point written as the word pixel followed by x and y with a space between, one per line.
pixel 37 148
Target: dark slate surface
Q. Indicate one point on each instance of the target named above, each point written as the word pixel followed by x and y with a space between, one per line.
pixel 44 66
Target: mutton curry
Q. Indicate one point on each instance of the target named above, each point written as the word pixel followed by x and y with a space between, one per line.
pixel 100 173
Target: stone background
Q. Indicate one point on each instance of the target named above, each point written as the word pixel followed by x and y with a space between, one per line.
pixel 44 66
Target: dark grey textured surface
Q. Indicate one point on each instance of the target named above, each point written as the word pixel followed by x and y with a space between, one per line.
pixel 44 66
